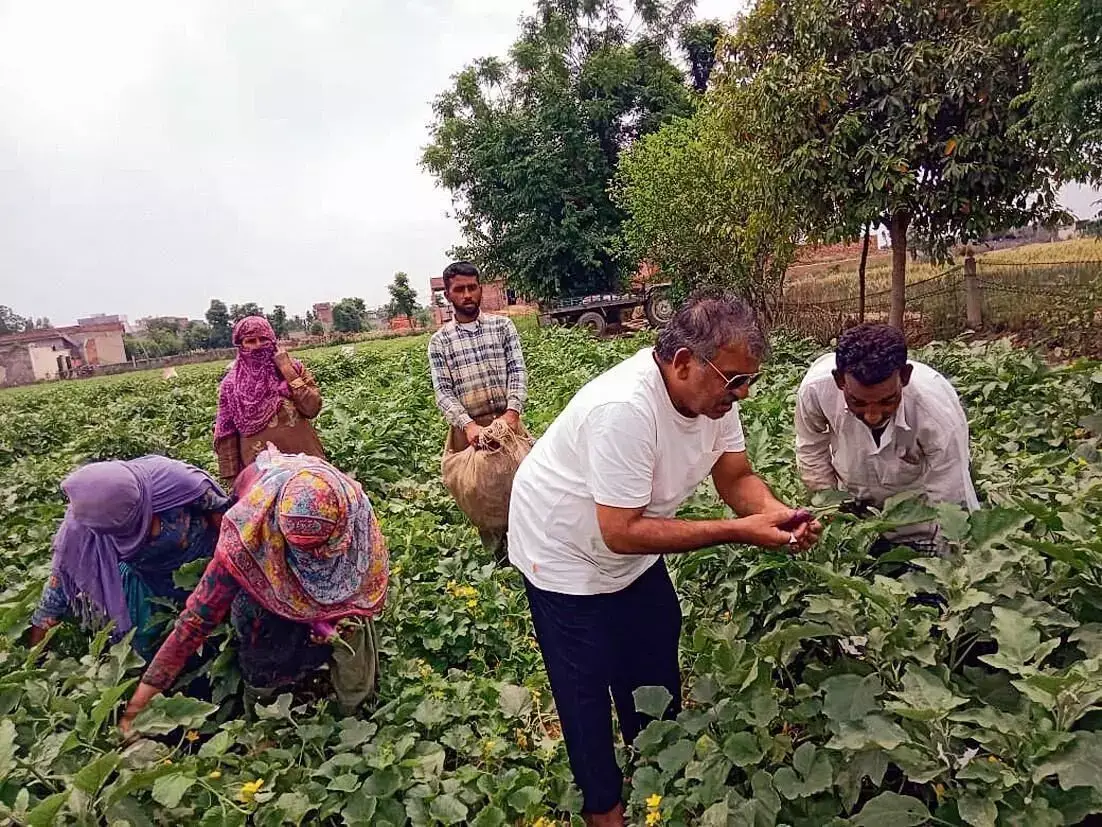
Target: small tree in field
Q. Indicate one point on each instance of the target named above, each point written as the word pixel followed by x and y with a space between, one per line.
pixel 903 111
pixel 702 209
pixel 403 298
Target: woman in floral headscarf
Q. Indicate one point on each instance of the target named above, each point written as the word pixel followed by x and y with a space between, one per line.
pixel 267 396
pixel 301 568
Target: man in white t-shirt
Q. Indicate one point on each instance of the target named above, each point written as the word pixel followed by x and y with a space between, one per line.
pixel 871 423
pixel 593 511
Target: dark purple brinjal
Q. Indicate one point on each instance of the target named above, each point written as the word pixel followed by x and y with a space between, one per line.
pixel 799 517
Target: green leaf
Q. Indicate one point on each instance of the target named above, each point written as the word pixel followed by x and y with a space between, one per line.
pixel 217 745
pixel 978 811
pixel 652 701
pixel 294 806
pixel 430 712
pixel 1076 765
pixel 359 810
pixel 924 697
pixel 169 789
pixel 850 697
pixel 383 783
pixel 91 777
pixel 447 809
pixel 514 701
pixel 490 817
pixel 743 749
pixel 44 813
pixel 7 747
pixel 674 757
pixel 953 521
pixel 355 732
pixel 1018 639
pixel 346 783
pixel 992 526
pixel 163 715
pixel 525 797
pixel 892 810
pixel 874 731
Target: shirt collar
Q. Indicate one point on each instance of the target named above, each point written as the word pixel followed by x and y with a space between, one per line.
pixel 470 327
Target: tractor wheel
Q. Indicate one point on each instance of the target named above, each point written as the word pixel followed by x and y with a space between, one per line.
pixel 658 308
pixel 593 322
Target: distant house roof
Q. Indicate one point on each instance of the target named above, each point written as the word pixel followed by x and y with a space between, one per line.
pixel 66 333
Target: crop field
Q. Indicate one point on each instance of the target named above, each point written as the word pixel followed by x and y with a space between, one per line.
pixel 818 690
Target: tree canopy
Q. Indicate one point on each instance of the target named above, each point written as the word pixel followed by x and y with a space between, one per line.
pixel 349 315
pixel 907 112
pixel 218 318
pixel 528 145
pixel 403 298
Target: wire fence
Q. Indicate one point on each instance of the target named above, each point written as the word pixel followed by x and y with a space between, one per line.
pixel 1028 297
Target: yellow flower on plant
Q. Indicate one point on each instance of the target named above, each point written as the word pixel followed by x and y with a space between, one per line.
pixel 939 791
pixel 654 801
pixel 215 775
pixel 249 790
pixel 471 604
pixel 192 736
pixel 654 817
pixel 167 762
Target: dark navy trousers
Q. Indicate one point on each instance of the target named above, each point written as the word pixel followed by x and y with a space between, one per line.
pixel 597 645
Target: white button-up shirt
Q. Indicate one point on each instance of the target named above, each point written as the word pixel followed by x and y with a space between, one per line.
pixel 924 447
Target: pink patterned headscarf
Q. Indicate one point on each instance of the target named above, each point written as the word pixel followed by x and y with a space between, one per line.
pixel 253 390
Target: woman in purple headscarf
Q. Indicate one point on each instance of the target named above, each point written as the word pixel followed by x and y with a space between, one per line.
pixel 266 397
pixel 129 526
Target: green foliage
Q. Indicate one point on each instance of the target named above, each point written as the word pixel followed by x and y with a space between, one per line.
pixel 1064 43
pixel 12 322
pixel 221 329
pixel 241 311
pixel 348 315
pixel 818 692
pixel 278 320
pixel 403 298
pixel 705 210
pixel 528 146
pixel 905 113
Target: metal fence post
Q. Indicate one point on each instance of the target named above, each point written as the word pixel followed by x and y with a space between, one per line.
pixel 973 293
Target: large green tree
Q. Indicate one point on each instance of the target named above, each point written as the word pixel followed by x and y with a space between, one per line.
pixel 241 311
pixel 403 298
pixel 12 322
pixel 348 315
pixel 218 318
pixel 1064 43
pixel 278 320
pixel 705 211
pixel 528 145
pixel 909 112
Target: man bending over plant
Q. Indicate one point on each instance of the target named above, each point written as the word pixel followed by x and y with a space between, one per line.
pixel 593 512
pixel 871 423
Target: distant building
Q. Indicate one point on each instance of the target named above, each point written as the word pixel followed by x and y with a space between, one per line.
pixel 176 323
pixel 56 352
pixel 324 314
pixel 496 297
pixel 104 318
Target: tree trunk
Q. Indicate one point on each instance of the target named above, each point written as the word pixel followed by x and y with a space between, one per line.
pixel 861 273
pixel 898 231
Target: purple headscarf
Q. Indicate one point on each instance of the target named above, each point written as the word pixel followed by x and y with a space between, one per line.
pixel 254 388
pixel 111 508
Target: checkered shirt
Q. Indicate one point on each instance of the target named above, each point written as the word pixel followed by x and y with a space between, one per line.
pixel 478 369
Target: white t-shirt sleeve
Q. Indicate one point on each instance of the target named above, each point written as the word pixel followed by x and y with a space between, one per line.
pixel 731 438
pixel 620 452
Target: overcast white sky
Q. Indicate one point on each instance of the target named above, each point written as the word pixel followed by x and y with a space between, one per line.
pixel 156 153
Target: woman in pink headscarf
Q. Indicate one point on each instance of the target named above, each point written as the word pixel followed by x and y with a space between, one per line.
pixel 266 397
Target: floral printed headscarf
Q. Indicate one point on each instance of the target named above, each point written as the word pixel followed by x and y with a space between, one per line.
pixel 304 542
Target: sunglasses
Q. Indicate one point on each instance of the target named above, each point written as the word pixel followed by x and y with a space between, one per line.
pixel 733 383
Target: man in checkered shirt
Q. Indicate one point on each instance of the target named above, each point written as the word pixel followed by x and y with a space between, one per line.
pixel 477 368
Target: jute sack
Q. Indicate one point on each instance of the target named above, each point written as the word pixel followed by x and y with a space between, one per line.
pixel 481 478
